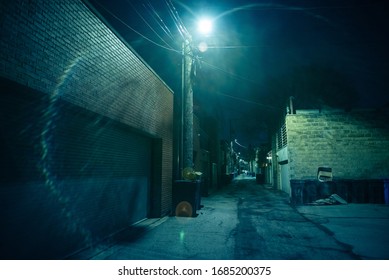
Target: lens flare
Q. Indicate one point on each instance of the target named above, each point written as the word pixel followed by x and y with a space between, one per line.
pixel 74 222
pixel 182 236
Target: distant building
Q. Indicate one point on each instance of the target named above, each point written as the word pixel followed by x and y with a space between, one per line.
pixel 348 148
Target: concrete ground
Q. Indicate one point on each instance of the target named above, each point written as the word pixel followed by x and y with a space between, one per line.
pixel 250 221
pixel 365 227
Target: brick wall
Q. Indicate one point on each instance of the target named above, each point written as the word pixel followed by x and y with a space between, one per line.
pixel 354 144
pixel 58 55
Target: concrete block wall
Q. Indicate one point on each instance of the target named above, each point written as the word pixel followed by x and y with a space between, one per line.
pixel 58 53
pixel 354 144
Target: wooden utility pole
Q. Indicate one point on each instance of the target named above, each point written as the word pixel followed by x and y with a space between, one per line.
pixel 187 105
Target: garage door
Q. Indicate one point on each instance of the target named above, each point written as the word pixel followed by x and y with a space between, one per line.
pixel 70 176
pixel 117 160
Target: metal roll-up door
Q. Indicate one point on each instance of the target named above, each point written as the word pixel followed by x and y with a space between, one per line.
pixel 70 176
pixel 111 161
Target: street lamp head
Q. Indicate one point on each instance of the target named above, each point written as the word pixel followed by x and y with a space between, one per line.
pixel 205 26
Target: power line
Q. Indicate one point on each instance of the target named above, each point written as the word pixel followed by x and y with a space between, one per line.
pixel 177 20
pixel 181 28
pixel 132 29
pixel 249 101
pixel 145 21
pixel 154 14
pixel 236 47
pixel 229 73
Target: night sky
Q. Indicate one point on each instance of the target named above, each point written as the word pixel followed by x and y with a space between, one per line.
pixel 257 47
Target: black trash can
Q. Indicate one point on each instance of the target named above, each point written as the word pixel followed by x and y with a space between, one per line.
pixel 297 187
pixel 186 198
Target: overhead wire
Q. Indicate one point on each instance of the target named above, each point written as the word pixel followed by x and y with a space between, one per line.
pixel 154 14
pixel 229 73
pixel 182 29
pixel 248 101
pixel 183 32
pixel 133 30
pixel 235 47
pixel 177 21
pixel 148 24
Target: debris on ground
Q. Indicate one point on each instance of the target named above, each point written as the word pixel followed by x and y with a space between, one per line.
pixel 333 199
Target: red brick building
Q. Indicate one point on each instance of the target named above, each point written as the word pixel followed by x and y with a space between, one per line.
pixel 86 131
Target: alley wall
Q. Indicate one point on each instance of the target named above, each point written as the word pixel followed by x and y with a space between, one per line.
pixel 354 144
pixel 86 131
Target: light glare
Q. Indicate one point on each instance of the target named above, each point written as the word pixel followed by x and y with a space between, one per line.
pixel 205 26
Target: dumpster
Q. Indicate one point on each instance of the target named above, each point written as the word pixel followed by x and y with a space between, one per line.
pixel 297 187
pixel 386 191
pixel 343 188
pixel 325 189
pixel 310 193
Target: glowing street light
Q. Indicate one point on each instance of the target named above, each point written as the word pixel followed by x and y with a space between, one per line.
pixel 205 26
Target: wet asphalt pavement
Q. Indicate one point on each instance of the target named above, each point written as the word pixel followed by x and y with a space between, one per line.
pixel 269 228
pixel 243 221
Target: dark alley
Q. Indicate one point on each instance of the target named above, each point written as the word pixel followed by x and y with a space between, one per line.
pixel 247 221
pixel 127 135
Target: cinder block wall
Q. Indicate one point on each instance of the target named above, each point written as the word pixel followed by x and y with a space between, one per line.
pixel 63 58
pixel 354 144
